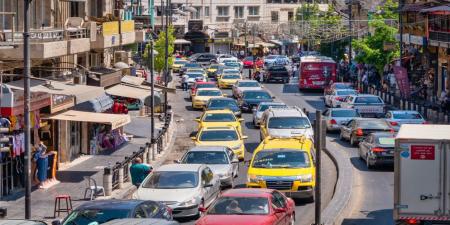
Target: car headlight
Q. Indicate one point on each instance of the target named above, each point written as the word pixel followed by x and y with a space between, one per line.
pixel 189 202
pixel 305 178
pixel 237 147
pixel 251 178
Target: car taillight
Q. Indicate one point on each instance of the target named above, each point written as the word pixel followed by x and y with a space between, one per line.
pixel 412 221
pixel 333 121
pixel 359 132
pixel 339 98
pixel 392 130
pixel 393 123
pixel 377 150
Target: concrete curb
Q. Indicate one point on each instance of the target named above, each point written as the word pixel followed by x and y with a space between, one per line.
pixel 333 213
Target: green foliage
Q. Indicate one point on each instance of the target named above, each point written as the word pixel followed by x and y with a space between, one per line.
pixel 371 49
pixel 159 46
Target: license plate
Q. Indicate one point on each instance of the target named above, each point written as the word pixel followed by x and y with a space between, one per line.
pixel 369 109
pixel 318 82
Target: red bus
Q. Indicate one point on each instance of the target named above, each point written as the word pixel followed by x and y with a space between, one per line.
pixel 316 72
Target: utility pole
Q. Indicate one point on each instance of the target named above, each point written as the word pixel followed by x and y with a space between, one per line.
pixel 26 88
pixel 151 6
pixel 319 141
pixel 400 20
pixel 351 30
pixel 168 11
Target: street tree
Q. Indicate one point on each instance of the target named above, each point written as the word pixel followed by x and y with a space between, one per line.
pixel 159 47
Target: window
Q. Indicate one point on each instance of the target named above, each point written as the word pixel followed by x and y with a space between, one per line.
pixel 253 10
pixel 140 213
pixel 290 16
pixel 206 11
pixel 238 12
pixel 222 11
pixel 280 198
pixel 197 15
pixel 273 1
pixel 274 16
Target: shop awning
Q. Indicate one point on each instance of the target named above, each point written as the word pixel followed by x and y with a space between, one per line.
pixel 82 93
pixel 265 44
pixel 445 9
pixel 100 104
pixel 115 120
pixel 137 92
pixel 182 42
pixel 277 42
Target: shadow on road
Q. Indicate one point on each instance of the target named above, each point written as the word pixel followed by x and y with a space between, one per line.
pixel 302 202
pixel 360 164
pixel 187 99
pixel 251 146
pixel 290 88
pixel 377 217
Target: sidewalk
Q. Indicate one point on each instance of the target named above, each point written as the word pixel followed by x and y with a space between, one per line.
pixel 71 177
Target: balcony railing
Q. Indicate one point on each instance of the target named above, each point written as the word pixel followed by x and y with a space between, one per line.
pixel 439 36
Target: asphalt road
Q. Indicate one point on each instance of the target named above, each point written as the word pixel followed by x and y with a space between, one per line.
pixel 372 191
pixel 185 115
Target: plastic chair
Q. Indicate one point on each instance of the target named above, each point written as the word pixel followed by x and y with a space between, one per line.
pixel 91 185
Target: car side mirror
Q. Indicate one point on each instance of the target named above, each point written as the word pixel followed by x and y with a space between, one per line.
pixel 240 119
pixel 273 97
pixel 224 95
pixel 262 86
pixel 202 209
pixel 253 110
pixel 197 120
pixel 208 185
pixel 177 161
pixel 235 160
pixel 194 138
pixel 244 137
pixel 280 210
pixel 56 222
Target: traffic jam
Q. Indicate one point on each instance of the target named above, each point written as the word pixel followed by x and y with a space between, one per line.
pixel 201 187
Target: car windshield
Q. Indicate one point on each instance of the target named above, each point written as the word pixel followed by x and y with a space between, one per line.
pixel 342 86
pixel 344 113
pixel 206 157
pixel 248 84
pixel 219 117
pixel 180 62
pixel 407 116
pixel 194 75
pixel 172 180
pixel 256 95
pixel 368 100
pixel 277 68
pixel 387 141
pixel 240 206
pixel 248 58
pixel 346 92
pixel 231 72
pixel 199 70
pixel 279 158
pixel 288 123
pixel 232 64
pixel 264 107
pixel 215 66
pixel 223 104
pixel 373 124
pixel 219 135
pixel 192 65
pixel 206 85
pixel 88 216
pixel 209 93
pixel 271 57
pixel 231 76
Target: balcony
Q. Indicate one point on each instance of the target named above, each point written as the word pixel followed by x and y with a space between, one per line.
pixel 127 32
pixel 436 36
pixel 107 35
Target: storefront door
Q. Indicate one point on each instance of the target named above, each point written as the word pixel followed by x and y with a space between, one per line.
pixel 75 140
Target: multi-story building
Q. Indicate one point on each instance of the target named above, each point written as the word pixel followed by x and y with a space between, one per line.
pixel 73 47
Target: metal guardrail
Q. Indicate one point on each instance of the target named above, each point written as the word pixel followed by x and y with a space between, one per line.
pixel 116 175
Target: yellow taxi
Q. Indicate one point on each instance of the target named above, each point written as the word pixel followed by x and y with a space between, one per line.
pixel 219 118
pixel 202 96
pixel 198 70
pixel 177 64
pixel 227 136
pixel 213 69
pixel 228 80
pixel 284 164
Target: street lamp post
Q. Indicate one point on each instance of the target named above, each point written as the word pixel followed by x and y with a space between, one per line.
pixel 26 87
pixel 150 53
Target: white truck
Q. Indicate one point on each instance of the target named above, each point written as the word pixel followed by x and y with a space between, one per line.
pixel 422 175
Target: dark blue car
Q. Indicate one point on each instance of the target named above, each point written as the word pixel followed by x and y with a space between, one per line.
pixel 103 211
pixel 251 98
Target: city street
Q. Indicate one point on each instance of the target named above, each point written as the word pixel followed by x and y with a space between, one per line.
pixel 371 200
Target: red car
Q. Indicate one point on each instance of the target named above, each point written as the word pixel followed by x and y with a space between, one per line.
pixel 248 62
pixel 201 84
pixel 248 206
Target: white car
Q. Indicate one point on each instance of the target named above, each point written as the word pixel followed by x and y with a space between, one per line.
pixel 263 106
pixel 399 117
pixel 365 105
pixel 243 85
pixel 222 57
pixel 335 118
pixel 337 96
pixel 222 161
pixel 182 187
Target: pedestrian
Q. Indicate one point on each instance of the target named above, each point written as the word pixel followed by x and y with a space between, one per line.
pixel 139 171
pixel 261 77
pixel 184 82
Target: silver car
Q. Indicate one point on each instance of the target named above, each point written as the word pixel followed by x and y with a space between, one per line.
pixel 242 85
pixel 335 118
pixel 258 111
pixel 398 117
pixel 222 161
pixel 337 96
pixel 182 187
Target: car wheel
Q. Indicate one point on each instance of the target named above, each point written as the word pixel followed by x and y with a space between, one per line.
pixel 292 220
pixel 341 137
pixel 353 141
pixel 359 153
pixel 368 164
